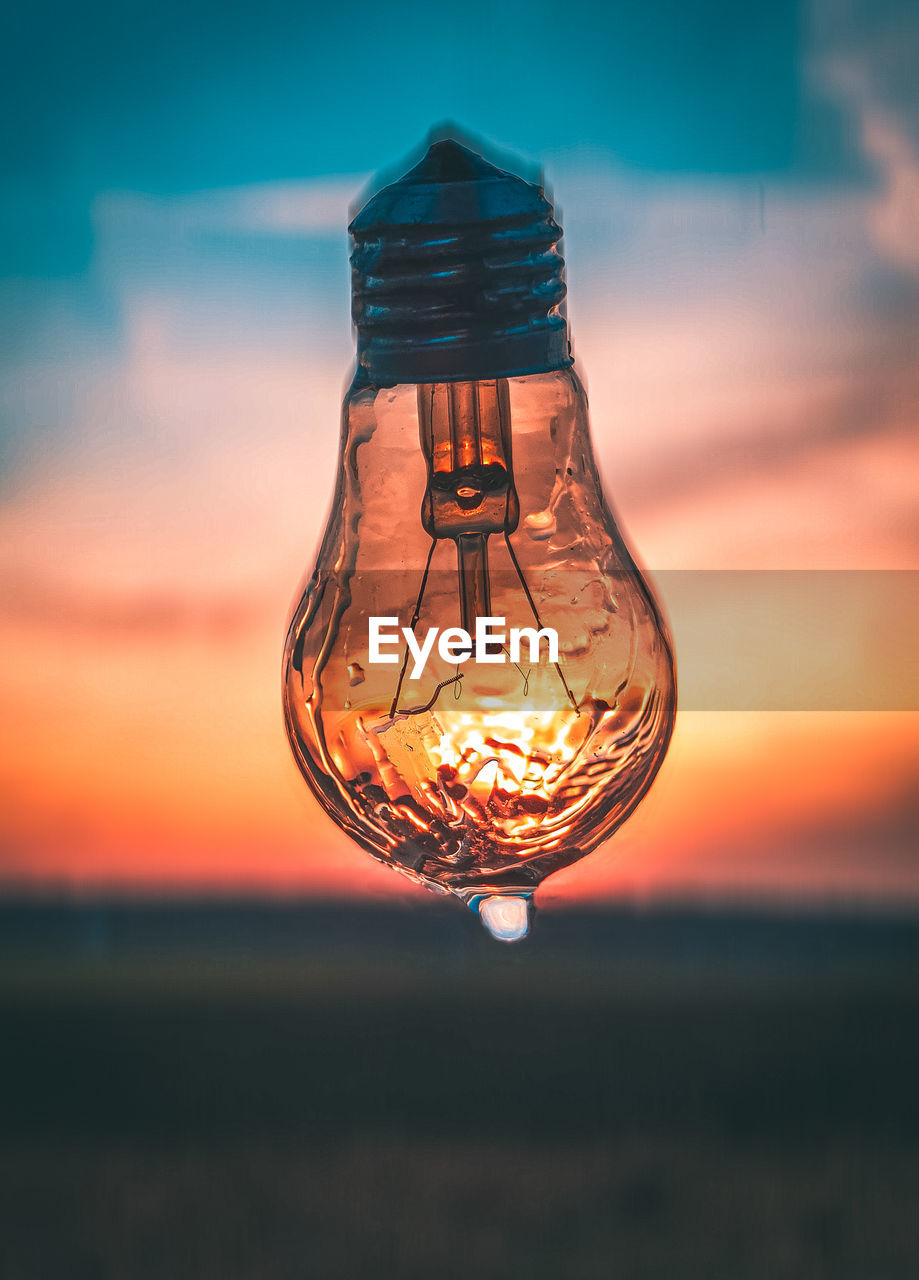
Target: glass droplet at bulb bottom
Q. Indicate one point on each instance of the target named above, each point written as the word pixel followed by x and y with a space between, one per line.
pixel 506 916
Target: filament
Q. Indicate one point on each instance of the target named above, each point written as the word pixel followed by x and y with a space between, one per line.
pixel 417 711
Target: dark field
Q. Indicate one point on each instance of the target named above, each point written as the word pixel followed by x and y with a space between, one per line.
pixel 257 1091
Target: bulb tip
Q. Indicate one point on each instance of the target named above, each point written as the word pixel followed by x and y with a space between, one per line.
pixel 507 918
pixel 449 161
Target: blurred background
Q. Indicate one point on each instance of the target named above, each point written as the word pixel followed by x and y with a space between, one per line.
pixel 237 1046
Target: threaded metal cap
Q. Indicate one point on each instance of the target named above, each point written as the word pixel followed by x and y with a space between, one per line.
pixel 456 275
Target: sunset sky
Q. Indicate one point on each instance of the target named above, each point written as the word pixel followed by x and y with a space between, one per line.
pixel 739 190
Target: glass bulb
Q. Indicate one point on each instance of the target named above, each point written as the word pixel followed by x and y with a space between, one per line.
pixel 460 500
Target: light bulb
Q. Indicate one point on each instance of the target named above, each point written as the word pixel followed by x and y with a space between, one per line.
pixel 468 501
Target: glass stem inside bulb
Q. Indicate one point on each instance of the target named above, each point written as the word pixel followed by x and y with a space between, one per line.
pixel 474 585
pixel 465 430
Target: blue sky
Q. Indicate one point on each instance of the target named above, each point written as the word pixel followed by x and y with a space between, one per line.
pixel 183 96
pixel 196 95
pixel 205 154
